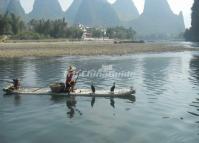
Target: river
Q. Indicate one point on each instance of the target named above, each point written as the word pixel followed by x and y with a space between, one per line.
pixel 166 107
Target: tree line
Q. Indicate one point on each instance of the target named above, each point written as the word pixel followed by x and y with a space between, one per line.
pixel 37 29
pixel 55 29
pixel 11 24
pixel 192 34
pixel 121 33
pixel 118 32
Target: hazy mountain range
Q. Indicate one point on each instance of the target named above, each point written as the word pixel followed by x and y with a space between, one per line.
pixel 125 10
pixel 46 9
pixel 12 6
pixel 157 17
pixel 96 13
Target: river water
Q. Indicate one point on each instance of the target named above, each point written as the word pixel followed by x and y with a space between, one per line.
pixel 165 109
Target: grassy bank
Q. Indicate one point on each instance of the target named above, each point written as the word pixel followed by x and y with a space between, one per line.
pixel 84 48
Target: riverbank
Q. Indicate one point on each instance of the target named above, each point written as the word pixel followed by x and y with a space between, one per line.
pixel 82 48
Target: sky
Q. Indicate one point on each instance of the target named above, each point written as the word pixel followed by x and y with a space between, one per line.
pixel 176 6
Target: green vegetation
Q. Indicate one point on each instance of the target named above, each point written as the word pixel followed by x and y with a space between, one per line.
pixel 192 34
pixel 13 27
pixel 55 29
pixel 113 33
pixel 74 33
pixel 97 33
pixel 11 24
pixel 37 29
pixel 120 33
pixel 28 36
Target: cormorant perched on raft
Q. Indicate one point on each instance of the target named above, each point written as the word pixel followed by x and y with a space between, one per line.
pixel 92 88
pixel 112 88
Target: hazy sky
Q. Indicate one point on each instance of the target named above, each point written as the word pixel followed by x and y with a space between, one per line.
pixel 176 6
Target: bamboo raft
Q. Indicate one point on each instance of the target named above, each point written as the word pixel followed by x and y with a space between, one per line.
pixel 120 93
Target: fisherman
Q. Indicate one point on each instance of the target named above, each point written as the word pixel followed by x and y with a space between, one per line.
pixel 70 81
pixel 16 84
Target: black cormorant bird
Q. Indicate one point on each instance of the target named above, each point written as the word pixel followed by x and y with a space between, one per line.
pixel 113 88
pixel 92 88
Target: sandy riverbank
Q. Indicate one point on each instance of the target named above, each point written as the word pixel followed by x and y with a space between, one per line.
pixel 83 48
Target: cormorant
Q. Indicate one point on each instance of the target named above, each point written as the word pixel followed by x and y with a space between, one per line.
pixel 113 88
pixel 92 88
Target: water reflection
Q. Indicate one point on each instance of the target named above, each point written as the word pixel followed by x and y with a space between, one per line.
pixel 92 101
pixel 194 73
pixel 11 68
pixel 194 70
pixel 57 99
pixel 71 104
pixel 155 74
pixel 194 44
pixel 194 104
pixel 130 99
pixel 49 70
pixel 29 74
pixel 112 102
pixel 17 100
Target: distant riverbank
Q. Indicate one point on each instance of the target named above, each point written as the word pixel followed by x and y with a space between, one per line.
pixel 82 48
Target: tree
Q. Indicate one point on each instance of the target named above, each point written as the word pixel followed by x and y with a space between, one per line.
pixel 11 24
pixel 52 28
pixel 120 33
pixel 17 24
pixel 192 34
pixel 74 33
pixel 5 27
pixel 97 33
